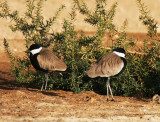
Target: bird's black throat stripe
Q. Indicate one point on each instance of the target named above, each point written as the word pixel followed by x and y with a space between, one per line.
pixel 35 63
pixel 125 64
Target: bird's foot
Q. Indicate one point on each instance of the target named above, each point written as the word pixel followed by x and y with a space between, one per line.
pixel 44 91
pixel 38 91
pixel 111 100
pixel 107 99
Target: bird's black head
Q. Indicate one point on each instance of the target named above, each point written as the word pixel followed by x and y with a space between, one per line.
pixel 34 48
pixel 119 50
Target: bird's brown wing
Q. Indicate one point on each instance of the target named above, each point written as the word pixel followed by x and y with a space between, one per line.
pixel 49 61
pixel 108 65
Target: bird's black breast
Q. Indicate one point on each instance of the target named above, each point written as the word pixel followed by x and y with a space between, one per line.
pixel 125 64
pixel 35 63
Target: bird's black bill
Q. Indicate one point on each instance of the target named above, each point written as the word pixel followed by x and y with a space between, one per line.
pixel 27 51
pixel 128 55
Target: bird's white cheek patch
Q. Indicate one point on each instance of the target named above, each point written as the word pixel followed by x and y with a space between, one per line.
pixel 119 54
pixel 35 51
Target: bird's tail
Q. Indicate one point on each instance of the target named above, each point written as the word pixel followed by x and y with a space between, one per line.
pixel 66 71
pixel 91 71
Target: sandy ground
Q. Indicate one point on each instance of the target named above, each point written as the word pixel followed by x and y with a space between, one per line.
pixel 30 105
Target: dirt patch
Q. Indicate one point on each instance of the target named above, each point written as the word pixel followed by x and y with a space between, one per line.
pixel 27 104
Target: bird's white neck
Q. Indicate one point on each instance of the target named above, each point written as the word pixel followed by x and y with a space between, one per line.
pixel 119 54
pixel 35 51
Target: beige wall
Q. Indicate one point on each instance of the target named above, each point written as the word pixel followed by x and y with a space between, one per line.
pixel 127 9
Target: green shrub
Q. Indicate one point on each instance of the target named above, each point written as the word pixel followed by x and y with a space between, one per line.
pixel 149 62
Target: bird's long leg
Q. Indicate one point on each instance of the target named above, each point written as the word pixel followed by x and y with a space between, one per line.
pixel 107 85
pixel 110 90
pixel 42 85
pixel 46 79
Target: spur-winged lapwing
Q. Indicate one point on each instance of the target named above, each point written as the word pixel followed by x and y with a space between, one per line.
pixel 111 64
pixel 45 60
